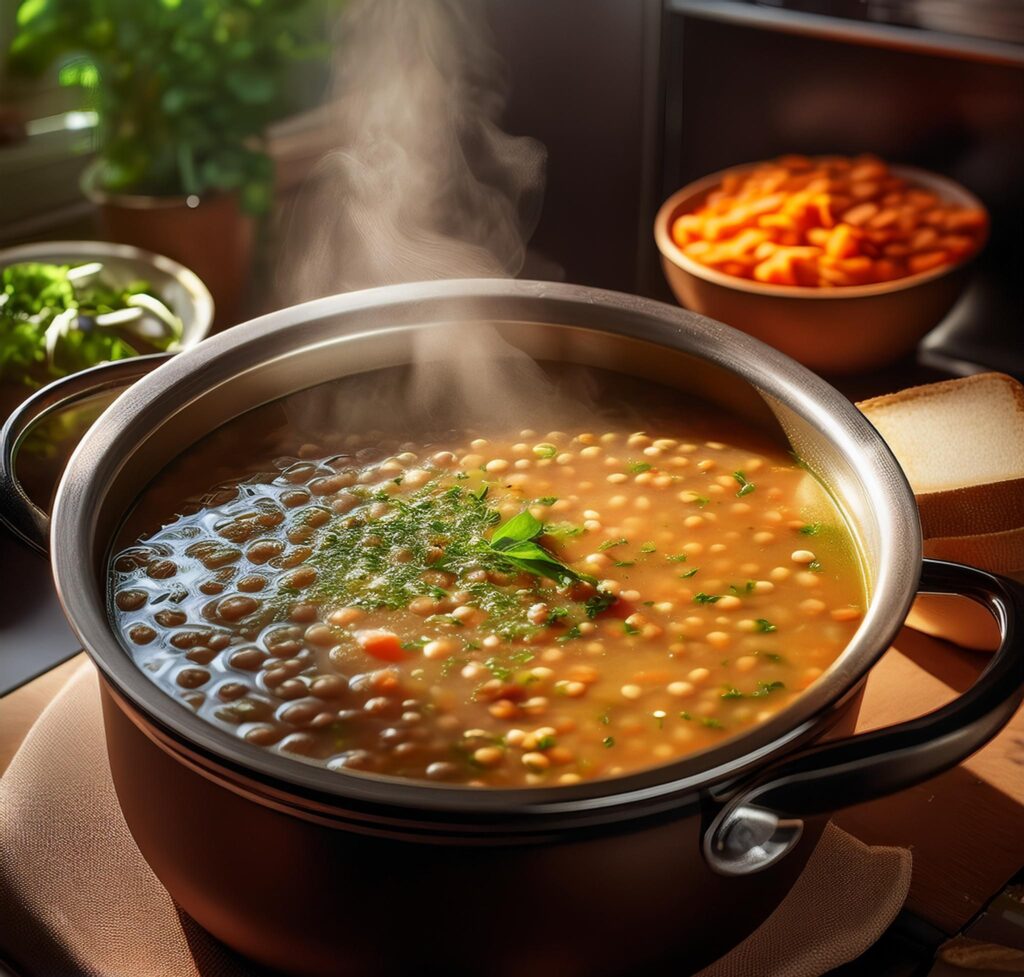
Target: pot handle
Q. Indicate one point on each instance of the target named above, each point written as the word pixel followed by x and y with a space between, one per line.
pixel 17 511
pixel 762 820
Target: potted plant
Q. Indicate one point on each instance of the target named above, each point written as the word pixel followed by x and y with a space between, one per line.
pixel 184 90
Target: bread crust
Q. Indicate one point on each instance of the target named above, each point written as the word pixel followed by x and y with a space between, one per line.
pixel 929 391
pixel 970 510
pixel 996 552
pixel 994 507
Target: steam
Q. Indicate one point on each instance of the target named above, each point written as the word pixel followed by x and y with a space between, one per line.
pixel 424 185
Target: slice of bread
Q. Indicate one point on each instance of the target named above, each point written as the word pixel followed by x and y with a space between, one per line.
pixel 961 444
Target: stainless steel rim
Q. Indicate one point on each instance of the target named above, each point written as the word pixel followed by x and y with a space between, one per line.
pixel 358 315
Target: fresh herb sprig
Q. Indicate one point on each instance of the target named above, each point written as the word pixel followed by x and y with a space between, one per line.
pixel 746 487
pixel 515 542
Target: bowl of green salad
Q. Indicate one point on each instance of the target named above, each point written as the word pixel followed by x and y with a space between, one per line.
pixel 68 305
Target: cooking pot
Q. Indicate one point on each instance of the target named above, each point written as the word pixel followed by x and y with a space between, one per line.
pixel 322 874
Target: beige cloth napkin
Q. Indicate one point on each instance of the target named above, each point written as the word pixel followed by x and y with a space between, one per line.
pixel 62 839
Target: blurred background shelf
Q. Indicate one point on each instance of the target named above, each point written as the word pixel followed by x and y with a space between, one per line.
pixel 986 30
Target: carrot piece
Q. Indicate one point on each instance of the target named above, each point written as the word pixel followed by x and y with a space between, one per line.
pixel 383 645
pixel 834 276
pixel 842 242
pixel 856 267
pixel 885 270
pixel 735 268
pixel 918 263
pixel 825 223
pixel 921 199
pixel 924 239
pixel 860 214
pixel 746 240
pixel 883 219
pixel 966 220
pixel 870 169
pixel 776 270
pixel 864 191
pixel 957 245
pixel 896 250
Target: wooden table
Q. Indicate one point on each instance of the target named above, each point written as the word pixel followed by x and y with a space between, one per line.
pixel 964 827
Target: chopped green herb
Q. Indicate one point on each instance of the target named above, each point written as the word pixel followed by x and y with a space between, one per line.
pixel 546 742
pixel 599 603
pixel 711 722
pixel 545 450
pixel 546 500
pixel 505 668
pixel 677 557
pixel 609 543
pixel 811 529
pixel 648 548
pixel 686 574
pixel 625 563
pixel 814 566
pixel 745 487
pixel 605 719
pixel 451 663
pixel 685 715
pixel 557 613
pixel 639 467
pixel 571 635
pixel 481 493
pixel 630 628
pixel 59 319
pixel 767 688
pixel 700 500
pixel 766 626
pixel 608 741
pixel 732 693
pixel 702 598
pixel 563 530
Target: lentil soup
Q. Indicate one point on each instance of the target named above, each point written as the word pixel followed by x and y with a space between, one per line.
pixel 487 608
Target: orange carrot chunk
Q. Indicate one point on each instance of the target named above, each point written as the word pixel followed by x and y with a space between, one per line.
pixel 378 643
pixel 825 223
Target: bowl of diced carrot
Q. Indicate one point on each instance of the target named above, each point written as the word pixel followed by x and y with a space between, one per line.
pixel 843 263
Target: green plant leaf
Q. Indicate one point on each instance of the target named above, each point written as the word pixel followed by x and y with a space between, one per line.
pixel 520 528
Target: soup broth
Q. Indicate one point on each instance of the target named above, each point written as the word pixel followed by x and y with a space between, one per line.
pixel 488 607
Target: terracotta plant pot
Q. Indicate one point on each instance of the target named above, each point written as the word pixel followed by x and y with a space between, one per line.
pixel 210 235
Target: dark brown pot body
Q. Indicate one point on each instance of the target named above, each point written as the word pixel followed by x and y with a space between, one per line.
pixel 317 899
pixel 214 238
pixel 324 875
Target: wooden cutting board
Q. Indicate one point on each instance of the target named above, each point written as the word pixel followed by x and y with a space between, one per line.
pixel 965 828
